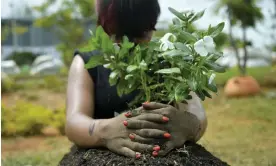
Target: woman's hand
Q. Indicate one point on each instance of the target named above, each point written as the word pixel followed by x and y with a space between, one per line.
pixel 119 133
pixel 181 126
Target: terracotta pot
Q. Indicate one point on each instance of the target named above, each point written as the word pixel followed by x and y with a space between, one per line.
pixel 241 86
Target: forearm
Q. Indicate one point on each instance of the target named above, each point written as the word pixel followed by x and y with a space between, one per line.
pixel 195 107
pixel 85 131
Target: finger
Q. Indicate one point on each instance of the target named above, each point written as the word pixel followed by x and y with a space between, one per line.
pixel 125 151
pixel 153 117
pixel 153 141
pixel 168 146
pixel 153 105
pixel 134 112
pixel 141 124
pixel 139 147
pixel 162 111
pixel 151 133
pixel 137 138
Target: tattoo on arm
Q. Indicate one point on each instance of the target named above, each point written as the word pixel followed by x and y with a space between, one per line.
pixel 91 129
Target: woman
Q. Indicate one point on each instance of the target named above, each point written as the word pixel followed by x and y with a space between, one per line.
pixel 91 102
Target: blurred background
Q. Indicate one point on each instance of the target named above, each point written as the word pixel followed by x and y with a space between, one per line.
pixel 38 38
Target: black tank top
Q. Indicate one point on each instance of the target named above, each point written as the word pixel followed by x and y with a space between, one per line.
pixel 107 101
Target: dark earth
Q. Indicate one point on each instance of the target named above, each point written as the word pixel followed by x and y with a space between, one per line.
pixel 191 155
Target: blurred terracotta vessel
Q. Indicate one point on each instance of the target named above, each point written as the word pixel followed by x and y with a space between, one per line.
pixel 241 86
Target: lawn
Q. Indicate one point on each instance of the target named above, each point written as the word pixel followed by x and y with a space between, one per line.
pixel 240 131
pixel 266 76
pixel 34 151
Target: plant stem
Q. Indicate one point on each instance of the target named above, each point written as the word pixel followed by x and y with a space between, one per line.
pixel 144 84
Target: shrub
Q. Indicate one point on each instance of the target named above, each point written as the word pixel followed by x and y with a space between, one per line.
pixel 6 85
pixel 26 119
pixel 54 83
pixel 23 58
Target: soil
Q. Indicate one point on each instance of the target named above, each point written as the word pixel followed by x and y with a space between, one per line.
pixel 192 155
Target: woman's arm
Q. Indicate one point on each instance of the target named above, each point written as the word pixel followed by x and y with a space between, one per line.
pixel 195 107
pixel 80 127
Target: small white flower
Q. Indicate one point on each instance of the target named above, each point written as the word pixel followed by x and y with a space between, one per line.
pixel 112 57
pixel 205 46
pixel 113 75
pixel 211 79
pixel 143 65
pixel 107 65
pixel 167 42
pixel 168 37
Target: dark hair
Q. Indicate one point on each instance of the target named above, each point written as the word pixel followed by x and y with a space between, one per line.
pixel 128 17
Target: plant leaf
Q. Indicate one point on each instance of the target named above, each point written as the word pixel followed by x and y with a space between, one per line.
pixel 212 87
pixel 99 32
pixel 183 48
pixel 200 95
pixel 188 37
pixel 215 31
pixel 192 84
pixel 177 14
pixel 95 61
pixel 131 68
pixel 197 16
pixel 215 67
pixel 169 71
pixel 173 53
pixel 207 94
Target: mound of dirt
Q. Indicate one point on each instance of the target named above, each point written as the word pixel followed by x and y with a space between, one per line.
pixel 192 155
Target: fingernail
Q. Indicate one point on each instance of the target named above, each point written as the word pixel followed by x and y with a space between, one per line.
pixel 154 153
pixel 131 136
pixel 156 148
pixel 147 102
pixel 128 114
pixel 165 119
pixel 167 135
pixel 125 123
pixel 138 155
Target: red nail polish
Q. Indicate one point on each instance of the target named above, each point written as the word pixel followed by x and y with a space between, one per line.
pixel 138 155
pixel 128 114
pixel 156 148
pixel 165 119
pixel 147 102
pixel 167 135
pixel 154 153
pixel 125 123
pixel 131 136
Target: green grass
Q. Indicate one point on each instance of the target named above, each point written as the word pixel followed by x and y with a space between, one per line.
pixel 242 131
pixel 266 76
pixel 46 152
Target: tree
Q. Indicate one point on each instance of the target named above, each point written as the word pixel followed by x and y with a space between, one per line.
pixel 247 14
pixel 272 46
pixel 68 22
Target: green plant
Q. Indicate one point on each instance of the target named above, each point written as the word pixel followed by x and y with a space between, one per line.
pixel 54 83
pixel 68 28
pixel 23 58
pixel 166 69
pixel 7 85
pixel 59 120
pixel 28 119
